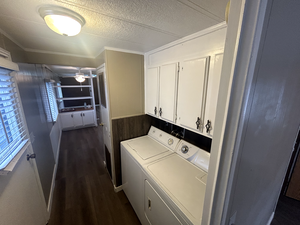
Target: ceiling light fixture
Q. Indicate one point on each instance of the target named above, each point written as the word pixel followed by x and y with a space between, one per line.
pixel 61 20
pixel 80 77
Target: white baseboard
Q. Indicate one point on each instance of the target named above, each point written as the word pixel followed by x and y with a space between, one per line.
pixel 271 218
pixel 52 189
pixel 54 176
pixel 119 188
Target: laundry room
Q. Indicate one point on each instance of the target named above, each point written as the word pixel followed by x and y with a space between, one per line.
pixel 147 112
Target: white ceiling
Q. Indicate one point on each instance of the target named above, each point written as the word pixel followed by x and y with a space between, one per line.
pixel 135 25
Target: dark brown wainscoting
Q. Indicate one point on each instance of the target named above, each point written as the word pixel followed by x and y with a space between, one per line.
pixel 124 129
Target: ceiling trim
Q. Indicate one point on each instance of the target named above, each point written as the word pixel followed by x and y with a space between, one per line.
pixel 57 53
pixel 11 38
pixel 122 50
pixel 102 50
pixel 189 37
pixel 200 9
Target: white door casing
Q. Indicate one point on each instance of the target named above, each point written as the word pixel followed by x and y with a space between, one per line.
pixel 105 115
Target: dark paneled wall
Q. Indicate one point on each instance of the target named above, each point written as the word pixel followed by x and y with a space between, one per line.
pixel 124 129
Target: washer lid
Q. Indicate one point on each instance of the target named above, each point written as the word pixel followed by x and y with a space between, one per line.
pixel 184 182
pixel 146 147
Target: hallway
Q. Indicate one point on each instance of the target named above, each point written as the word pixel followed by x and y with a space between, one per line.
pixel 83 192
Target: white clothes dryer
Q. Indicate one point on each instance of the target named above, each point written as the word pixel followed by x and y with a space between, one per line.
pixel 138 152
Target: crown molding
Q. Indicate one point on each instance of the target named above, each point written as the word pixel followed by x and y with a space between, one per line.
pixel 123 50
pixel 11 38
pixel 189 37
pixel 57 53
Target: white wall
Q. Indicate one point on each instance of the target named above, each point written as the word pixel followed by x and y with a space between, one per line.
pixel 269 117
pixel 55 136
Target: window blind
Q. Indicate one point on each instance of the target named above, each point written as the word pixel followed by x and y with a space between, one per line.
pixel 13 135
pixel 52 100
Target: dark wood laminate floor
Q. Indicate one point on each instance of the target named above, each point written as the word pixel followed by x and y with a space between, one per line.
pixel 287 212
pixel 84 193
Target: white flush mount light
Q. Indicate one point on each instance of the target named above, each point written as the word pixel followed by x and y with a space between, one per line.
pixel 61 20
pixel 80 77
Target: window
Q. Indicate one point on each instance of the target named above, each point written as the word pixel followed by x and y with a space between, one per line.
pixel 52 100
pixel 13 135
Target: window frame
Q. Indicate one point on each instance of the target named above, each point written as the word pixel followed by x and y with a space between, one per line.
pixel 51 94
pixel 13 150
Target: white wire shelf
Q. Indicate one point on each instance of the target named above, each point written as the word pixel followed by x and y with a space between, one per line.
pixel 74 98
pixel 73 86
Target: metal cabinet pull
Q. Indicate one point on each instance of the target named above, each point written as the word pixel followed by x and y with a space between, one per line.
pixel 149 203
pixel 155 110
pixel 198 122
pixel 83 114
pixel 208 126
pixel 160 111
pixel 72 115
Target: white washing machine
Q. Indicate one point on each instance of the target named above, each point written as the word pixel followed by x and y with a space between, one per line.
pixel 138 152
pixel 176 183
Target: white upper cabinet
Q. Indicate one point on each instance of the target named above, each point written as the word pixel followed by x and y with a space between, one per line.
pixel 212 93
pixel 187 95
pixel 151 91
pixel 168 91
pixel 191 93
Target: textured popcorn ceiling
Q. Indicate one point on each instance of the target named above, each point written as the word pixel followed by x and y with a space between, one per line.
pixel 135 25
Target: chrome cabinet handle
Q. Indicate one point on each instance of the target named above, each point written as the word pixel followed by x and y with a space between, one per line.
pixel 72 115
pixel 160 111
pixel 198 122
pixel 208 126
pixel 155 110
pixel 81 114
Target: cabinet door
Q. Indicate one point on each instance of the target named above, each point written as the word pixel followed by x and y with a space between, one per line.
pixel 156 210
pixel 88 117
pixel 151 92
pixel 77 117
pixel 191 92
pixel 66 120
pixel 212 93
pixel 168 91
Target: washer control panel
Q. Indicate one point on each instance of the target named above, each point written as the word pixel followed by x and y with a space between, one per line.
pixel 164 138
pixel 170 141
pixel 184 149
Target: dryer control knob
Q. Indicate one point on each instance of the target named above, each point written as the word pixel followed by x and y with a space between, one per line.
pixel 184 149
pixel 170 141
